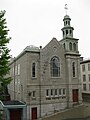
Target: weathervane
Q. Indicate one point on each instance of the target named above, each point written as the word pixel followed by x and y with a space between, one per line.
pixel 66 8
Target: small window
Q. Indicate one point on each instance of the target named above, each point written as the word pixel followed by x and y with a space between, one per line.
pixel 64 45
pixel 63 33
pixel 64 91
pixel 33 69
pixel 47 92
pixel 89 67
pixel 89 87
pixel 83 68
pixel 70 31
pixel 84 78
pixel 56 92
pixel 52 92
pixel 89 77
pixel 74 46
pixel 33 93
pixel 68 22
pixel 84 87
pixel 66 32
pixel 64 23
pixel 60 91
pixel 73 69
pixel 70 46
pixel 18 71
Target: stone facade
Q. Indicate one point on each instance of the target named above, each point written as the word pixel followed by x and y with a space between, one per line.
pixel 48 79
pixel 85 79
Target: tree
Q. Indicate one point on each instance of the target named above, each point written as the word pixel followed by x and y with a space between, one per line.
pixel 4 57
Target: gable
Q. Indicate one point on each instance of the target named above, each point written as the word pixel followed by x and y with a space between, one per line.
pixel 53 48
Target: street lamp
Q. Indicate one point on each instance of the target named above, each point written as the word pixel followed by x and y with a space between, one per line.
pixel 29 94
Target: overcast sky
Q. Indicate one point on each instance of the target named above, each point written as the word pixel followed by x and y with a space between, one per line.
pixel 36 22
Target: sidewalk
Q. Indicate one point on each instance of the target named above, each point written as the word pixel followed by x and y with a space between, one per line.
pixel 79 112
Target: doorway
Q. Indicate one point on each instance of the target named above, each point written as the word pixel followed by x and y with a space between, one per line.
pixel 15 114
pixel 34 113
pixel 75 95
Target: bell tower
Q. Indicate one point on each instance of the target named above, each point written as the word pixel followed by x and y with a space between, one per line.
pixel 68 41
pixel 67 30
pixel 72 57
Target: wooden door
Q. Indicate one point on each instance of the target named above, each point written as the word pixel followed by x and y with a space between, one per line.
pixel 15 114
pixel 75 95
pixel 34 113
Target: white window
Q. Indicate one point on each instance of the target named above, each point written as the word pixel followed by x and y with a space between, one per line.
pixel 89 67
pixel 64 91
pixel 83 68
pixel 89 77
pixel 52 92
pixel 18 69
pixel 15 70
pixel 60 92
pixel 84 87
pixel 84 78
pixel 56 93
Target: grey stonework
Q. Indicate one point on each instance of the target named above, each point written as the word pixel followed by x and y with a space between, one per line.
pixel 23 84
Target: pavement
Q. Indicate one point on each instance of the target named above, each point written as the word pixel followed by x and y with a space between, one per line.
pixel 86 118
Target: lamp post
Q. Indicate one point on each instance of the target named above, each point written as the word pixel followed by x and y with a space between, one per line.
pixel 29 94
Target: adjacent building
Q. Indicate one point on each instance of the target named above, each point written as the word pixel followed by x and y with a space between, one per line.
pixel 85 78
pixel 48 79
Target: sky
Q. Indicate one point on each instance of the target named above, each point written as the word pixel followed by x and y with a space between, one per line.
pixel 36 22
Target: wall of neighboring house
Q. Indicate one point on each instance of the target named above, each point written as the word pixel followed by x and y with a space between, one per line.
pixel 85 78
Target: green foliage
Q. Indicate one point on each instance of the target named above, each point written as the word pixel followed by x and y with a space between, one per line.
pixel 4 55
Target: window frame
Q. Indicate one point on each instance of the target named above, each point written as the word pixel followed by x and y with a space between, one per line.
pixel 55 67
pixel 73 69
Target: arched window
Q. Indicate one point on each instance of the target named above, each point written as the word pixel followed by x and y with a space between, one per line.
pixel 73 69
pixel 70 31
pixel 74 46
pixel 66 32
pixel 64 45
pixel 55 67
pixel 63 33
pixel 33 70
pixel 70 46
pixel 68 22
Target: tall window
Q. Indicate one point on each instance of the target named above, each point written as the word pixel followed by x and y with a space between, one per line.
pixel 55 67
pixel 64 91
pixel 33 69
pixel 60 91
pixel 89 87
pixel 73 69
pixel 52 92
pixel 47 92
pixel 84 78
pixel 84 87
pixel 70 46
pixel 89 67
pixel 33 93
pixel 74 46
pixel 89 77
pixel 83 68
pixel 56 92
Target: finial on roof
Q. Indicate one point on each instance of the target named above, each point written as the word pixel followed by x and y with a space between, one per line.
pixel 66 8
